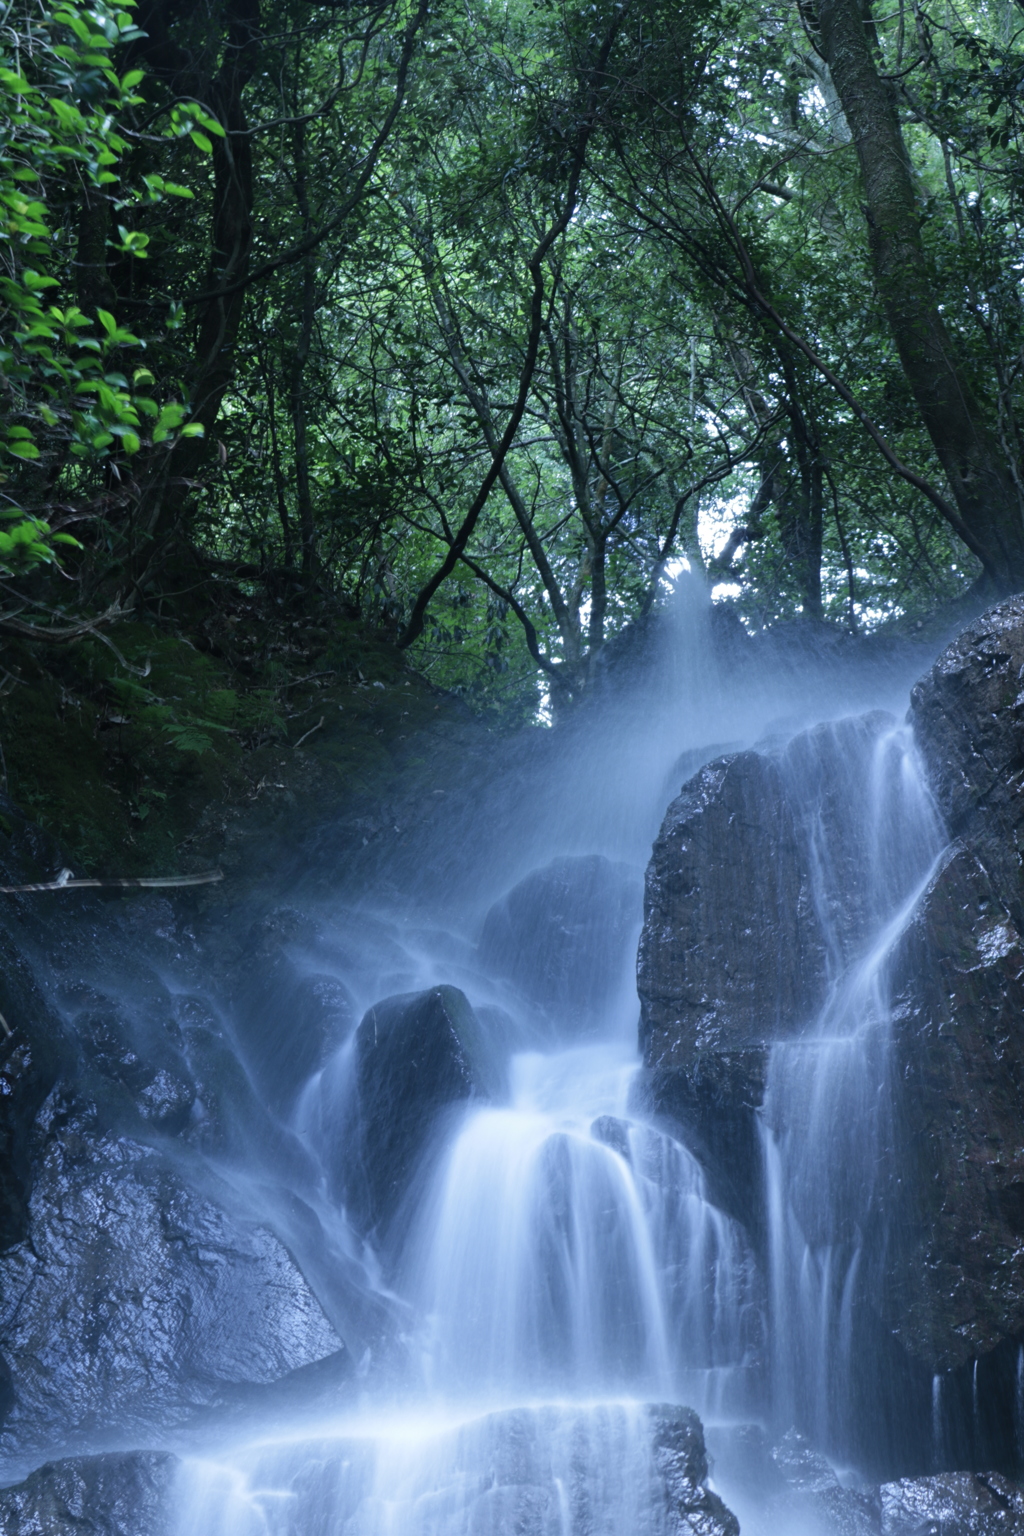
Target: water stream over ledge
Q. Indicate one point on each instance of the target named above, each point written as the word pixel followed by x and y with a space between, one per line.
pixel 536 1271
pixel 560 1262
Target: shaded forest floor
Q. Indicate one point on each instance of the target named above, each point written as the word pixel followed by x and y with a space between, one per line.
pixel 238 723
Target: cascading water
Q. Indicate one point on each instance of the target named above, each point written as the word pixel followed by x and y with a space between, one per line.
pixel 568 1249
pixel 827 1116
pixel 564 1264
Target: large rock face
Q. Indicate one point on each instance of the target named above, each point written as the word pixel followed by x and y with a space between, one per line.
pixel 952 1504
pixel 745 926
pixel 138 1301
pixel 731 953
pixel 418 1056
pixel 956 1279
pixel 968 716
pixel 731 957
pixel 958 983
pixel 112 1495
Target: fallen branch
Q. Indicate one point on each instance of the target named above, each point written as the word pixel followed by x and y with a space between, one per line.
pixel 65 881
pixel 309 732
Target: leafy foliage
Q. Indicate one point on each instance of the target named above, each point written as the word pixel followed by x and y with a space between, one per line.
pixel 61 367
pixel 546 303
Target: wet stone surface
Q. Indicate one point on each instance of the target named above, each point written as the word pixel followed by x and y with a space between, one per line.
pixel 952 1504
pixel 138 1300
pixel 111 1495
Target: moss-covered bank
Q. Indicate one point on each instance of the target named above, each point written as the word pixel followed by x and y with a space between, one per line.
pixel 163 752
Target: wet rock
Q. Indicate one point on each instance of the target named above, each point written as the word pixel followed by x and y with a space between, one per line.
pixel 968 718
pixel 811 1484
pixel 127 1064
pixel 111 1495
pixel 956 1276
pixel 562 935
pixel 417 1055
pixel 136 1300
pixel 614 1133
pixel 730 957
pixel 731 954
pixel 681 1463
pixel 953 1504
pixel 32 1055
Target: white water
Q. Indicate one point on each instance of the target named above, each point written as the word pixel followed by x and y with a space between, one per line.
pixel 567 1265
pixel 828 1140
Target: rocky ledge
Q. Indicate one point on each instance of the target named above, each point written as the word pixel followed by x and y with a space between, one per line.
pixel 740 943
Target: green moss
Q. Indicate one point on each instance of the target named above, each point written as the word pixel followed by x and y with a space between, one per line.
pixel 124 757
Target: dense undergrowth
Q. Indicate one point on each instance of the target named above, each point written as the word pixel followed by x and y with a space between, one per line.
pixel 136 761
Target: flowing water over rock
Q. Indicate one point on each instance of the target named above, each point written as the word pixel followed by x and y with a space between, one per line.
pixel 438 1253
pixel 872 837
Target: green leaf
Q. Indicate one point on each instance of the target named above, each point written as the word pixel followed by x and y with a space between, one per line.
pixel 206 121
pixel 201 141
pixel 36 280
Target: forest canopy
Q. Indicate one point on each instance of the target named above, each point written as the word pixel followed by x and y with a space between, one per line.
pixel 483 320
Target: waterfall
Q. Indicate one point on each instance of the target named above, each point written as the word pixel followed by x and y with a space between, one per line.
pixel 827 1127
pixel 568 1248
pixel 566 1268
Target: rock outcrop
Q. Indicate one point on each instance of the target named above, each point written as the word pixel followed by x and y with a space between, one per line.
pixel 111 1495
pixel 952 1504
pixel 137 1301
pixel 418 1056
pixel 968 717
pixel 731 954
pixel 681 1464
pixel 956 1276
pixel 755 901
pixel 957 1286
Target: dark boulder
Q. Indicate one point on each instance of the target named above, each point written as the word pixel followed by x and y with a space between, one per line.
pixel 953 1504
pixel 731 956
pixel 955 1278
pixel 416 1056
pixel 135 1300
pixel 681 1465
pixel 562 938
pixel 968 718
pixel 120 1494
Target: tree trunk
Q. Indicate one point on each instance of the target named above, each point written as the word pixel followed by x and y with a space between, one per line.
pixel 297 401
pixel 965 443
pixel 171 477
